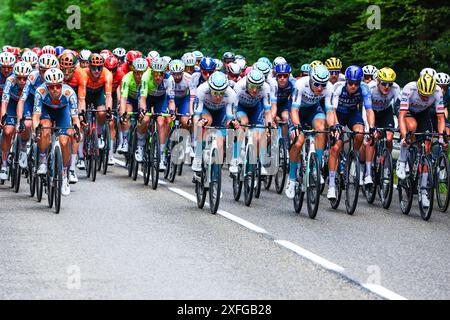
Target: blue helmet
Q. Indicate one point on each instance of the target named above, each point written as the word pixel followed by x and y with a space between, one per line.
pixel 305 67
pixel 266 60
pixel 208 64
pixel 283 68
pixel 319 74
pixel 59 50
pixel 354 73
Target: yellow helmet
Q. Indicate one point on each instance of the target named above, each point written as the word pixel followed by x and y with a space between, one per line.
pixel 386 74
pixel 426 85
pixel 315 63
pixel 333 63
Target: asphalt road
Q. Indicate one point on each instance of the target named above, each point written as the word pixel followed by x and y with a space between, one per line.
pixel 119 239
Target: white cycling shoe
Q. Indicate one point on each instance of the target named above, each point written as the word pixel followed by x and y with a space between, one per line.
pixel 290 189
pixel 42 170
pixel 23 159
pixel 401 169
pixel 65 188
pixel 197 164
pixel 331 193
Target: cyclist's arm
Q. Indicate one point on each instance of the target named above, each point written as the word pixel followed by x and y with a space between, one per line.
pixel 170 93
pixel 82 91
pixel 5 98
pixel 439 105
pixel 108 89
pixel 367 100
pixel 404 106
pixel 37 109
pixel 124 87
pixel 73 106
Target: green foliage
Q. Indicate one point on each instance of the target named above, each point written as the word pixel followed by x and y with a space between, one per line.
pixel 413 33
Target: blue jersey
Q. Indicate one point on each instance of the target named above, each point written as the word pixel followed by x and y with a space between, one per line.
pixel 3 81
pixel 343 102
pixel 43 99
pixel 34 80
pixel 11 89
pixel 281 95
pixel 447 98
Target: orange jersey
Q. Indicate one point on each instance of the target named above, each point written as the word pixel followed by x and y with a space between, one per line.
pixel 105 80
pixel 79 80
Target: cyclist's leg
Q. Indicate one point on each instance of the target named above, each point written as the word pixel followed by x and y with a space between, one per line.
pixel 125 127
pixel 63 119
pixel 182 105
pixel 318 123
pixel 100 106
pixel 44 141
pixel 335 150
pixel 160 106
pixel 27 113
pixel 8 133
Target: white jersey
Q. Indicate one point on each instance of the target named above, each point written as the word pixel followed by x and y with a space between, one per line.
pixel 248 101
pixel 166 86
pixel 304 97
pixel 181 89
pixel 411 100
pixel 204 100
pixel 196 80
pixel 381 102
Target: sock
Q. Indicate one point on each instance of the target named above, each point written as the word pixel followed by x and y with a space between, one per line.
pixel 424 179
pixel 368 168
pixel 403 153
pixel 198 149
pixel 4 163
pixel 73 160
pixel 361 169
pixel 111 150
pixel 162 147
pixel 120 137
pixel 80 150
pixel 140 141
pixel 319 153
pixel 293 170
pixel 125 136
pixel 332 176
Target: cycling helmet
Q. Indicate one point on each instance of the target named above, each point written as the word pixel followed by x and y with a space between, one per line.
pixel 370 70
pixel 85 54
pixel 48 61
pixel 59 50
pixel 283 68
pixel 14 50
pixel 167 59
pixel 266 60
pixel 49 50
pixel 67 60
pixel 140 64
pixel 426 84
pixel 131 55
pixel 354 73
pixel 256 78
pixel 315 63
pixel 22 69
pixel 243 64
pixel 188 59
pixel 263 67
pixel 37 50
pixel 238 56
pixel 105 54
pixel 153 54
pixel 429 71
pixel 7 59
pixel 219 64
pixel 158 65
pixel 234 68
pixel 278 60
pixel 5 48
pixel 305 67
pixel 53 76
pixel 208 64
pixel 319 74
pixel 198 55
pixel 386 74
pixel 228 56
pixel 442 78
pixel 119 53
pixel 333 63
pixel 176 66
pixel 218 81
pixel 30 57
pixel 96 60
pixel 111 63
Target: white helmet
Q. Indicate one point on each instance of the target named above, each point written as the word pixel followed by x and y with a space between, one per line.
pixel 153 54
pixel 53 76
pixel 119 52
pixel 278 60
pixel 429 71
pixel 198 55
pixel 167 59
pixel 219 64
pixel 22 69
pixel 234 68
pixel 218 81
pixel 370 70
pixel 159 65
pixel 49 50
pixel 140 64
pixel 189 59
pixel 241 63
pixel 7 59
pixel 5 48
pixel 442 78
pixel 85 54
pixel 176 66
pixel 48 60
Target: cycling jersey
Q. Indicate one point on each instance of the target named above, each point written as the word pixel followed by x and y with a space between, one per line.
pixel 104 81
pixel 447 98
pixel 196 80
pixel 34 80
pixel 3 81
pixel 181 89
pixel 11 95
pixel 129 88
pixel 411 101
pixel 78 82
pixel 345 103
pixel 381 101
pixel 282 96
pixel 304 97
pixel 11 90
pixel 248 101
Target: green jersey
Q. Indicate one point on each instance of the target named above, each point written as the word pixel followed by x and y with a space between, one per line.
pixel 129 87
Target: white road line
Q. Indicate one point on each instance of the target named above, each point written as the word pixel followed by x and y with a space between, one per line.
pixel 311 256
pixel 328 265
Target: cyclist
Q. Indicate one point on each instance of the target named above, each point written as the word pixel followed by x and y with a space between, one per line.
pixel 49 50
pixel 7 61
pixel 304 70
pixel 162 99
pixel 370 73
pixel 228 57
pixel 417 98
pixel 253 107
pixel 207 67
pixel 11 94
pixel 233 73
pixel 306 111
pixel 442 80
pixel 344 102
pixel 432 72
pixel 189 62
pixel 84 58
pixel 334 65
pixel 55 101
pixel 213 107
pixel 243 65
pixel 120 53
pixel 198 57
pixel 32 58
pixel 59 50
pixel 219 65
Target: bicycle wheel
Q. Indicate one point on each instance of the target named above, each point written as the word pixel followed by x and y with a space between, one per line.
pixel 155 159
pixel 173 168
pixel 87 154
pixel 425 187
pixel 237 183
pixel 94 154
pixel 258 179
pixel 215 184
pixel 442 181
pixel 105 159
pixel 200 189
pixel 180 169
pixel 386 178
pixel 352 182
pixel 131 150
pixel 17 169
pixel 405 187
pixel 39 187
pixel 168 157
pixel 313 187
pixel 146 163
pixel 50 180
pixel 280 176
pixel 267 182
pixel 249 177
pixel 299 196
pixel 32 165
pixel 135 163
pixel 370 191
pixel 57 178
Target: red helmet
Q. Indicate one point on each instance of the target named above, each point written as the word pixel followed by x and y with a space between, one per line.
pixel 133 54
pixel 111 63
pixel 37 50
pixel 149 60
pixel 14 50
pixel 106 51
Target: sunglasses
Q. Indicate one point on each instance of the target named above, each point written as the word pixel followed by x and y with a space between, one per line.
pixel 21 78
pixel 217 93
pixel 54 86
pixel 158 73
pixel 353 83
pixel 254 87
pixel 334 72
pixel 68 70
pixel 318 84
pixel 386 84
pixel 206 72
pixel 96 68
pixel 282 76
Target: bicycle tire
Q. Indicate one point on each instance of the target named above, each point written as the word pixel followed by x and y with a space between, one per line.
pixel 249 177
pixel 425 212
pixel 94 154
pixel 405 188
pixel 442 182
pixel 237 183
pixel 280 176
pixel 50 180
pixel 313 187
pixel 200 190
pixel 386 186
pixel 17 168
pixel 258 179
pixel 352 182
pixel 57 178
pixel 146 164
pixel 215 185
pixel 155 160
pixel 107 134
